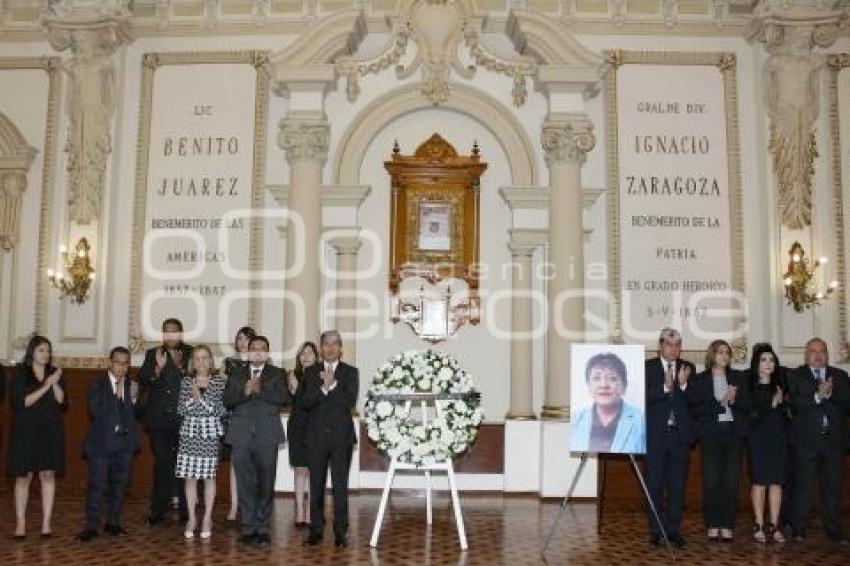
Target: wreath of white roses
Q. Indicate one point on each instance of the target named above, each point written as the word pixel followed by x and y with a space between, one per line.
pixel 446 436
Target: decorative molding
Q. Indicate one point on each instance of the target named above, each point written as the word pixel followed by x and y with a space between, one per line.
pixel 82 362
pixel 567 137
pixel 304 138
pixel 836 63
pixel 93 31
pixel 537 197
pixel 792 34
pixel 333 196
pixel 150 62
pixel 406 99
pixel 49 65
pixel 16 157
pixel 524 241
pixel 727 64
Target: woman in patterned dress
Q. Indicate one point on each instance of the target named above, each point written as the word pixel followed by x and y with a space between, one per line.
pixel 197 455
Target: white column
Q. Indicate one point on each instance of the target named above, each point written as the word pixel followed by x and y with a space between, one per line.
pixel 521 329
pixel 566 139
pixel 347 249
pixel 304 136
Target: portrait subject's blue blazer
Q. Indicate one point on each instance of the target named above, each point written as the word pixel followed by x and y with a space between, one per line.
pixel 630 437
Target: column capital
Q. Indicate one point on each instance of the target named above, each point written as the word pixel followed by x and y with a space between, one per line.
pixel 524 241
pixel 346 245
pixel 305 137
pixel 89 29
pixel 567 137
pixel 795 28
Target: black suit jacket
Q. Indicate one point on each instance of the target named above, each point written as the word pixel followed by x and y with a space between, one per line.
pixel 329 416
pixel 806 414
pixel 705 407
pixel 161 394
pixel 105 412
pixel 659 404
pixel 2 383
pixel 255 417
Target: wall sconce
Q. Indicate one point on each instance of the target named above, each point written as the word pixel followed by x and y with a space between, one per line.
pixel 80 273
pixel 798 279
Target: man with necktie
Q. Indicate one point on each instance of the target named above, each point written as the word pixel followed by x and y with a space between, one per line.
pixel 330 393
pixel 255 396
pixel 669 434
pixel 819 395
pixel 111 441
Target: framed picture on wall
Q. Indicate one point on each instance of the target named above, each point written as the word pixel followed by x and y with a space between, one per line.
pixel 435 229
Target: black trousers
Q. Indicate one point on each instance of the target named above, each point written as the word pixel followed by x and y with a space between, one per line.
pixel 339 458
pixel 823 459
pixel 109 474
pixel 164 442
pixel 721 468
pixel 255 465
pixel 666 474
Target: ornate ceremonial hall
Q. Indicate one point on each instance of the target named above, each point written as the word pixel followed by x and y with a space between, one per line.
pixel 498 212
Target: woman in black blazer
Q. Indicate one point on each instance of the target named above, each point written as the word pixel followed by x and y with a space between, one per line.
pixel 719 400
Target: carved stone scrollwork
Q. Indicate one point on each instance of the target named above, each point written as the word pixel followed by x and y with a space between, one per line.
pixel 567 139
pixel 791 35
pixel 436 27
pixel 304 139
pixel 93 31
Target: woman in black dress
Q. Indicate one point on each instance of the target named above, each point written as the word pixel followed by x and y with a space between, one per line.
pixel 233 364
pixel 37 439
pixel 719 398
pixel 768 445
pixel 308 354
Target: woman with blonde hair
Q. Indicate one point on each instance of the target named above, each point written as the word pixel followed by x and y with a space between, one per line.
pixel 200 432
pixel 719 399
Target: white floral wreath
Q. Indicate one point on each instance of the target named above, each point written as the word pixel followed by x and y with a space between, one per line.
pixel 445 437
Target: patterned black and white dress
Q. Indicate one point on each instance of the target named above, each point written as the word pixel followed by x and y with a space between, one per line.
pixel 201 430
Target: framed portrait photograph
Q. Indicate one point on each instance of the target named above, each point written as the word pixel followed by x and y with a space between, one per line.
pixel 435 232
pixel 607 399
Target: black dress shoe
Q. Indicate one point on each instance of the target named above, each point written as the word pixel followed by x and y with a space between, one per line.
pixel 798 536
pixel 313 540
pixel 677 540
pixel 115 530
pixel 154 520
pixel 46 535
pixel 340 541
pixel 655 539
pixel 19 537
pixel 262 540
pixel 837 538
pixel 247 539
pixel 86 535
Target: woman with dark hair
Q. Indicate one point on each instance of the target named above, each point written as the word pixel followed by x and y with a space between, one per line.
pixel 768 444
pixel 37 439
pixel 720 401
pixel 233 364
pixel 296 431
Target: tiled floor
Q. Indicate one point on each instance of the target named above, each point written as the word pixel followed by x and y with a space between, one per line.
pixel 506 531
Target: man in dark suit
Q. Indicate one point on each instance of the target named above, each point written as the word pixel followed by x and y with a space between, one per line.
pixel 159 378
pixel 111 441
pixel 819 395
pixel 255 396
pixel 330 393
pixel 669 433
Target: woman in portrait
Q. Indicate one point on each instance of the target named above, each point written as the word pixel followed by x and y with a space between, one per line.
pixel 719 400
pixel 308 354
pixel 37 439
pixel 768 441
pixel 232 364
pixel 202 410
pixel 610 424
